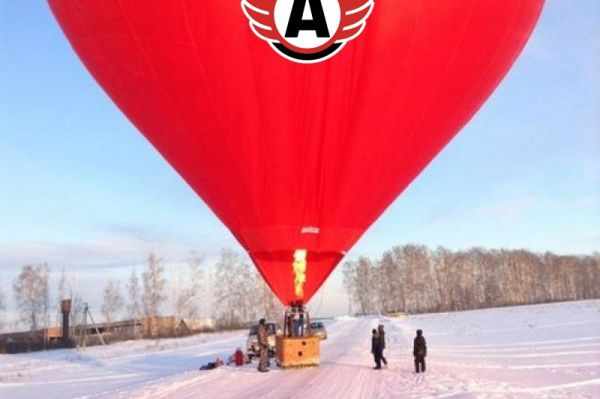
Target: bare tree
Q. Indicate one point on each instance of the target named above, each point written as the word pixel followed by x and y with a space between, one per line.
pixel 61 293
pixel 265 303
pixel 77 303
pixel 113 302
pixel 225 287
pixel 207 295
pixel 32 295
pixel 154 286
pixel 62 287
pixel 349 281
pixel 390 293
pixel 134 309
pixel 360 277
pixel 186 288
pixel 415 263
pixel 193 305
pixel 244 290
pixel 179 292
pixel 44 272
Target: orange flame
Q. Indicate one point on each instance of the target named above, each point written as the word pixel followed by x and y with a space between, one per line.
pixel 299 266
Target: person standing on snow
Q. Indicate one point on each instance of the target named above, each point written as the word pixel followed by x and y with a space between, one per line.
pixel 420 351
pixel 382 342
pixel 376 349
pixel 263 343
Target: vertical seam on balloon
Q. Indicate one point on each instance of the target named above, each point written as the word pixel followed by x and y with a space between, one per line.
pixel 146 58
pixel 396 193
pixel 232 210
pixel 346 129
pixel 411 47
pixel 499 48
pixel 194 46
pixel 319 152
pixel 157 81
pixel 261 171
pixel 345 123
pixel 322 177
pixel 408 143
pixel 166 98
pixel 304 139
pixel 90 37
pixel 441 83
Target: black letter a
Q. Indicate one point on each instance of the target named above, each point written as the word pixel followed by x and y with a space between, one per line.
pixel 296 23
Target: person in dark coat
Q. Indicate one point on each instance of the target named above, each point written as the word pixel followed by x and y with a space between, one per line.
pixel 263 343
pixel 376 349
pixel 420 351
pixel 382 343
pixel 290 323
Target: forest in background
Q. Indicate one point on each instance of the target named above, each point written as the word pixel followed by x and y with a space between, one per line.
pixel 230 292
pixel 409 278
pixel 415 279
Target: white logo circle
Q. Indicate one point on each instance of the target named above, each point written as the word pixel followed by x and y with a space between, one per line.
pixel 307 39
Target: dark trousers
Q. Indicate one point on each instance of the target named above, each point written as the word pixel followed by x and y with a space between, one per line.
pixel 419 361
pixel 377 357
pixel 383 359
pixel 263 363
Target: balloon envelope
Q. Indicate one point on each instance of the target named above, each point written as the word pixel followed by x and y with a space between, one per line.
pixel 294 156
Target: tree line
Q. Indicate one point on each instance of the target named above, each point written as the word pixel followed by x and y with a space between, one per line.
pixel 232 293
pixel 409 278
pixel 415 279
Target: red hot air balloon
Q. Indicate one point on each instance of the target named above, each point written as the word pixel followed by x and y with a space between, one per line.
pixel 298 129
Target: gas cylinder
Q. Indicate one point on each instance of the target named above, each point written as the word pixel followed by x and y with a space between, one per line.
pixel 239 357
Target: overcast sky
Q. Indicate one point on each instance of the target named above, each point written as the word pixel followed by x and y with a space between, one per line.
pixel 80 188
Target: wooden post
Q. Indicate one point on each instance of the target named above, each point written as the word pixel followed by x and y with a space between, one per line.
pixel 65 307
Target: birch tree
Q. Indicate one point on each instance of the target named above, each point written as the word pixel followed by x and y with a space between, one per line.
pixel 113 302
pixel 193 305
pixel 77 303
pixel 179 292
pixel 44 272
pixel 360 279
pixel 225 287
pixel 32 295
pixel 61 294
pixel 154 286
pixel 134 308
pixel 62 288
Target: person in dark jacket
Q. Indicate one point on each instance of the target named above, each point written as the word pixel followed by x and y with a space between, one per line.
pixel 376 349
pixel 263 343
pixel 382 342
pixel 420 351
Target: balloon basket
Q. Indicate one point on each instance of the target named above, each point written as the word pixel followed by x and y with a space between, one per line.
pixel 297 351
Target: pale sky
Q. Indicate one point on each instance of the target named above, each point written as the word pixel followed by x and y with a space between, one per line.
pixel 80 188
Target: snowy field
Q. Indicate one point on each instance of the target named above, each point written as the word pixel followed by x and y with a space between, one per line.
pixel 540 351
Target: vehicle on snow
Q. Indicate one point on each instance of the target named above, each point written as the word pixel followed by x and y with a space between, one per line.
pixel 252 348
pixel 317 329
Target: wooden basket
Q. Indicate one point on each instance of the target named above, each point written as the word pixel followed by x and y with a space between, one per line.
pixel 297 352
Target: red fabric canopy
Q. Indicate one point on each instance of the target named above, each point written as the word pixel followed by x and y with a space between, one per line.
pixel 290 155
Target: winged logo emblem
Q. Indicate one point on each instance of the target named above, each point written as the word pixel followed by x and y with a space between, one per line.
pixel 307 31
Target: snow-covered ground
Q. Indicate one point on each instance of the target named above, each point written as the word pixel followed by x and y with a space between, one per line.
pixel 540 351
